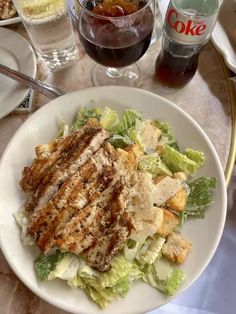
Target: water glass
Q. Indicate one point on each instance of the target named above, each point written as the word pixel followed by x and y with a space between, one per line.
pixel 49 26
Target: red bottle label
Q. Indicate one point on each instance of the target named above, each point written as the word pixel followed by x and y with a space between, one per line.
pixel 187 27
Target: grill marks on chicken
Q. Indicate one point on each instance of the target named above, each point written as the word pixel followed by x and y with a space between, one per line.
pixel 79 190
pixel 77 196
pixel 48 173
pixel 102 228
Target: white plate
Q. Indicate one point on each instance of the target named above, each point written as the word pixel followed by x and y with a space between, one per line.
pixel 224 34
pixel 13 20
pixel 41 128
pixel 16 53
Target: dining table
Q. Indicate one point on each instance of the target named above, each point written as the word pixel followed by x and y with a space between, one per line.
pixel 210 99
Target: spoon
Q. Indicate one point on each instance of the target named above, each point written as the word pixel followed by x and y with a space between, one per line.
pixel 39 86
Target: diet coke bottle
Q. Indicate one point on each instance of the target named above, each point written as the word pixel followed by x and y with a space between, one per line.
pixel 188 26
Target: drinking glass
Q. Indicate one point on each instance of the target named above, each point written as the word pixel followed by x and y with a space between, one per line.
pixel 157 32
pixel 115 34
pixel 49 26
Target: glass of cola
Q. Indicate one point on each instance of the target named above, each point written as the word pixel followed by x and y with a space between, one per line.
pixel 115 34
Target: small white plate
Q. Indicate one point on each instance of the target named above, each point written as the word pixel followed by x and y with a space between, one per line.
pixel 224 34
pixel 10 21
pixel 41 128
pixel 17 54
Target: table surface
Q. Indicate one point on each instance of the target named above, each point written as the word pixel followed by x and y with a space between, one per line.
pixel 206 98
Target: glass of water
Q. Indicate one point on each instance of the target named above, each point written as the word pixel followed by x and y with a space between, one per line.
pixel 49 26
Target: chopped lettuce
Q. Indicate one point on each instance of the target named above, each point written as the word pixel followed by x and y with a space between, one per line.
pixel 85 271
pixel 105 287
pixel 63 126
pixel 200 196
pixel 120 268
pixel 170 279
pixel 167 132
pixel 195 155
pixel 119 141
pixel 45 264
pixel 152 250
pixel 122 287
pixel 134 136
pixel 179 162
pixel 76 282
pixel 154 165
pixel 22 219
pixel 127 121
pixel 131 249
pixel 67 268
pixel 83 116
pixel 102 297
pixel 173 283
pixel 109 119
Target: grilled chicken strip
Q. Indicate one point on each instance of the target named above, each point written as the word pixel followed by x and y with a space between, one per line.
pixel 103 225
pixel 104 248
pixel 48 173
pixel 77 191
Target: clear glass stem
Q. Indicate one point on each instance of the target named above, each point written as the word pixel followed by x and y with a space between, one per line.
pixel 114 72
pixel 128 76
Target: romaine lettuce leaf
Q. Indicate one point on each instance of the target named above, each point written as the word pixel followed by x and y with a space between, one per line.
pixel 109 119
pixel 200 196
pixel 23 221
pixel 179 162
pixel 195 155
pixel 105 287
pixel 173 283
pixel 152 250
pixel 119 141
pixel 154 165
pixel 134 136
pixel 167 132
pixel 124 284
pixel 131 249
pixel 127 121
pixel 167 279
pixel 102 297
pixel 67 268
pixel 45 264
pixel 85 271
pixel 120 268
pixel 122 287
pixel 76 282
pixel 83 116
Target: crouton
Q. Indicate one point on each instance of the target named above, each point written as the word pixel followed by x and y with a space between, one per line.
pixel 170 221
pixel 126 161
pixel 178 201
pixel 135 149
pixel 176 248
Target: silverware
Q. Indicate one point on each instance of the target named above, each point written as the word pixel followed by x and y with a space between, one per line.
pixel 39 86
